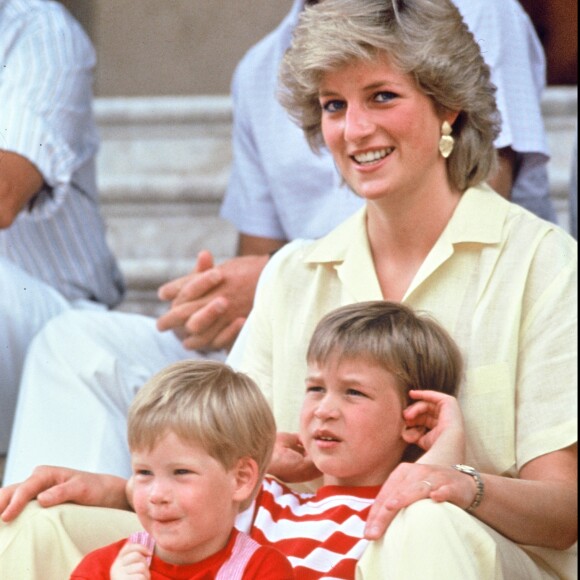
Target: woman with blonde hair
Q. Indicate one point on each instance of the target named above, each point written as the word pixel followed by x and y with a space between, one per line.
pixel 399 93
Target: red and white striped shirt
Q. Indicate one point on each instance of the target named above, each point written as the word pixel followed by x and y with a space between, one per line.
pixel 322 534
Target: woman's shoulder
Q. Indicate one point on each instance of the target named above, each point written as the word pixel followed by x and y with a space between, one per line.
pixel 330 248
pixel 508 225
pixel 287 257
pixel 529 229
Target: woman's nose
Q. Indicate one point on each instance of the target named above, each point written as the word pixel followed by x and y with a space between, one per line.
pixel 358 124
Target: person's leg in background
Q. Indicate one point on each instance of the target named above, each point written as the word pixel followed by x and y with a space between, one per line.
pixel 80 376
pixel 26 305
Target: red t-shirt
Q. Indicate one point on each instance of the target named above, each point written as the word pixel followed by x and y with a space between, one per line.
pixel 266 564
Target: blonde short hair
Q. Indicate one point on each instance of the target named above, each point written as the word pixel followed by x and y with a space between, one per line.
pixel 410 345
pixel 209 404
pixel 425 38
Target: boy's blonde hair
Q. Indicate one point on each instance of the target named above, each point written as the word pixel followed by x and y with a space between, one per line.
pixel 411 346
pixel 206 403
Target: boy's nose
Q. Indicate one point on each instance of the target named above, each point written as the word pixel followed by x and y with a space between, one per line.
pixel 159 493
pixel 326 409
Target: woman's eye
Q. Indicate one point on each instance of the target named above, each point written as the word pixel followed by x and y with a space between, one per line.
pixel 333 106
pixel 385 96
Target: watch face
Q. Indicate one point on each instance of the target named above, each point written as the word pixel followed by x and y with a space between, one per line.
pixel 466 468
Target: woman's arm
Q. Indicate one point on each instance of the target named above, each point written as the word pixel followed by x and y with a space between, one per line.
pixel 55 485
pixel 539 508
pixel 542 504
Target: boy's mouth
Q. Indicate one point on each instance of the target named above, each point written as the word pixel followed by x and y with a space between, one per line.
pixel 325 436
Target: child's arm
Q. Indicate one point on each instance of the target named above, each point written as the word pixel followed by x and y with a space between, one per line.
pixel 131 563
pixel 435 424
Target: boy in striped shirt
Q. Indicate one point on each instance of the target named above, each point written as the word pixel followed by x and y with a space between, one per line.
pixel 363 414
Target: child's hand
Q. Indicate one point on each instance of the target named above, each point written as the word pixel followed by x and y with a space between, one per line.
pixel 131 563
pixel 290 463
pixel 436 425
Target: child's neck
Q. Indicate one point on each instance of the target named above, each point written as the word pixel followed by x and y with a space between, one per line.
pixel 359 481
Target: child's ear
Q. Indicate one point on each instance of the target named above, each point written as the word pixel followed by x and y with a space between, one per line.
pixel 412 434
pixel 246 475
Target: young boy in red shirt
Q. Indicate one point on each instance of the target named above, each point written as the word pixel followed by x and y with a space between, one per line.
pixel 201 437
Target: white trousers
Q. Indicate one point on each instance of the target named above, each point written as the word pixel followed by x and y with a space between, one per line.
pixel 427 541
pixel 439 541
pixel 80 376
pixel 26 305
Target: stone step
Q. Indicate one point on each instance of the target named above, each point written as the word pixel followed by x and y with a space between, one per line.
pixel 163 169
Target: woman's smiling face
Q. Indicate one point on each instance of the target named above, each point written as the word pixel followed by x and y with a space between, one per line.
pixel 382 131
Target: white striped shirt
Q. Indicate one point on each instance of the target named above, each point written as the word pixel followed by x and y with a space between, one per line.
pixel 322 534
pixel 46 66
pixel 279 189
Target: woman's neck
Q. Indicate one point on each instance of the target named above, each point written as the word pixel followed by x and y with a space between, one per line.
pixel 401 236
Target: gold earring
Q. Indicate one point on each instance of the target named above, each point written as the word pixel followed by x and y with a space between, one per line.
pixel 447 142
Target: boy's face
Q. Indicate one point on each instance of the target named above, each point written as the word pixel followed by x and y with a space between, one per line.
pixel 352 421
pixel 184 499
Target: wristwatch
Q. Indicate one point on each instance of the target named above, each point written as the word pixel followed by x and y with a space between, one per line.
pixel 468 470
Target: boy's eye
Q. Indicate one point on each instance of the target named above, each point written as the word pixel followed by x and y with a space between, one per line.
pixel 355 393
pixel 143 472
pixel 183 472
pixel 314 389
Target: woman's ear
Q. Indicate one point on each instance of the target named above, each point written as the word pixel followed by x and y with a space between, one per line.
pixel 451 117
pixel 245 474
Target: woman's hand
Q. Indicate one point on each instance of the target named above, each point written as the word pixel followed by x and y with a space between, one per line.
pixel 290 463
pixel 411 482
pixel 131 563
pixel 55 485
pixel 435 424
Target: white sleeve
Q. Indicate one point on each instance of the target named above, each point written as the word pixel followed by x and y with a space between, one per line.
pixel 248 202
pixel 512 49
pixel 46 95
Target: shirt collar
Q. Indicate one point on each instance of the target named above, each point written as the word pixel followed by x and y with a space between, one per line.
pixel 478 218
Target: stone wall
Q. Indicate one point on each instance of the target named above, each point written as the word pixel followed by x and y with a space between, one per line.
pixel 172 47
